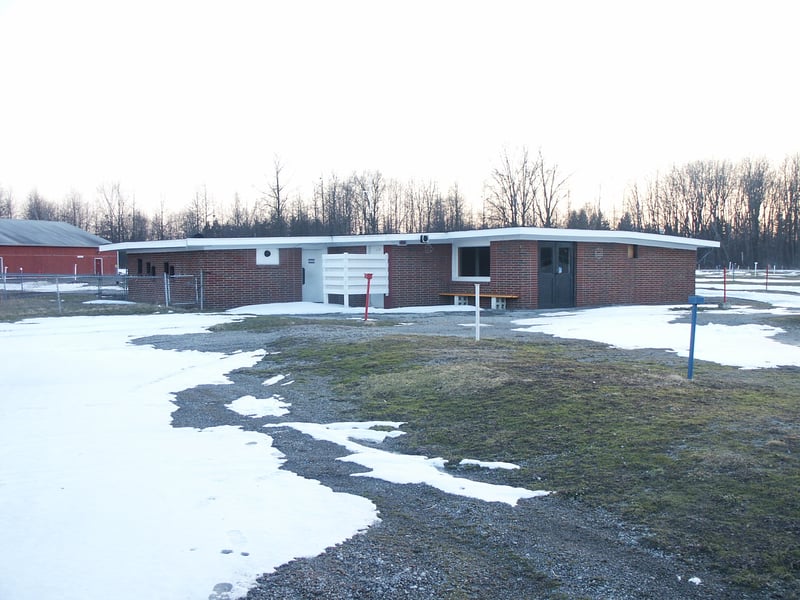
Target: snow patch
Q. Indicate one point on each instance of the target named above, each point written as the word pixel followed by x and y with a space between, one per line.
pixel 405 468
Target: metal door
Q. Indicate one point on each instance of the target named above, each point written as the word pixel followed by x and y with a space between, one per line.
pixel 312 276
pixel 556 274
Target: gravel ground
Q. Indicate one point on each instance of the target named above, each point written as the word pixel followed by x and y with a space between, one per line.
pixel 429 544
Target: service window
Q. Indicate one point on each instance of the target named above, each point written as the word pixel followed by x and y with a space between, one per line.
pixel 564 260
pixel 473 261
pixel 546 259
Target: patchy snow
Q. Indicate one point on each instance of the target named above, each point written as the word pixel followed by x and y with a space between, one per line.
pixel 405 468
pixel 748 346
pixel 250 406
pixel 103 301
pixel 101 497
pixel 489 465
pixel 275 379
pixel 781 289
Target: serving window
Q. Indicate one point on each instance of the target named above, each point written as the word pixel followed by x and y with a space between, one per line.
pixel 473 262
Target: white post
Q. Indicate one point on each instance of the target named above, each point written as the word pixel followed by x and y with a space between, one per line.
pixel 345 282
pixel 477 312
pixel 58 296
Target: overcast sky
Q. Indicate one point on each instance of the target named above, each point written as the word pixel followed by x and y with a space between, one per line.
pixel 167 96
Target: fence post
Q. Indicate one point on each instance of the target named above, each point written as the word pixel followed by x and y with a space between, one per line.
pixel 166 290
pixel 345 282
pixel 477 312
pixel 368 277
pixel 58 296
pixel 694 301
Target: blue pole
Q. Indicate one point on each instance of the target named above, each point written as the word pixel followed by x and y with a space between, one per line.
pixel 694 300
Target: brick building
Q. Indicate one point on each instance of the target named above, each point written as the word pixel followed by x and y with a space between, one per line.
pixel 515 267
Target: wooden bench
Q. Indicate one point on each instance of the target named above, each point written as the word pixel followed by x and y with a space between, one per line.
pixel 462 298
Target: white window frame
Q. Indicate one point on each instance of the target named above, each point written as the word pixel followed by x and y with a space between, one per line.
pixel 455 276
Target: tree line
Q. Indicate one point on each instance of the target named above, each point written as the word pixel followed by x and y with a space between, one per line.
pixel 751 207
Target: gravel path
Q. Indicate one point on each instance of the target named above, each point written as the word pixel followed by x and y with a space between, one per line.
pixel 428 544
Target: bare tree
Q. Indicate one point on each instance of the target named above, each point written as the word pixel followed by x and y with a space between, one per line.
pixel 241 217
pixel 457 217
pixel 162 223
pixel 369 202
pixel 75 211
pixel 275 201
pixel 511 195
pixel 139 225
pixel 39 209
pixel 393 214
pixel 6 204
pixel 113 214
pixel 197 217
pixel 553 188
pixel 754 187
pixel 788 195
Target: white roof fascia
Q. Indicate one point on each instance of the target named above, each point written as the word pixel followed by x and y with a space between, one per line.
pixel 259 242
pixel 460 237
pixel 573 235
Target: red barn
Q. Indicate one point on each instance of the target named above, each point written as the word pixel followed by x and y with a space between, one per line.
pixel 52 247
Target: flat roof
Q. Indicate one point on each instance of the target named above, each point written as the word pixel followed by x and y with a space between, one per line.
pixel 475 237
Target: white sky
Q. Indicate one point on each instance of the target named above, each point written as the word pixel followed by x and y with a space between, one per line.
pixel 167 96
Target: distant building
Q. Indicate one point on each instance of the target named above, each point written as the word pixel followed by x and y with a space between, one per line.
pixel 52 247
pixel 523 267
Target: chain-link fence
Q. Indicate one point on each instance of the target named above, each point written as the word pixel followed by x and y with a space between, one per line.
pixel 58 289
pixel 170 290
pixel 63 293
pixel 31 285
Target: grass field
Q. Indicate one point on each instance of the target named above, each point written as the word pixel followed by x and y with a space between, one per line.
pixel 709 469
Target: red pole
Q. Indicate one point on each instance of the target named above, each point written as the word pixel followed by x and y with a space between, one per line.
pixel 368 277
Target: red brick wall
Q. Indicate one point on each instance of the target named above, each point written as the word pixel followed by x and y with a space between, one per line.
pixel 56 260
pixel 230 277
pixel 606 275
pixel 417 274
pixel 512 270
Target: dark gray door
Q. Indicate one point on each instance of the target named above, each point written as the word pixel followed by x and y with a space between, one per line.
pixel 556 274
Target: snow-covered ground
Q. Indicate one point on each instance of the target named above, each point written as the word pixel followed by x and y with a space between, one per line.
pixel 748 346
pixel 100 497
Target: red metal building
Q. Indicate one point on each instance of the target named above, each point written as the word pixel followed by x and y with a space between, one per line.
pixel 52 247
